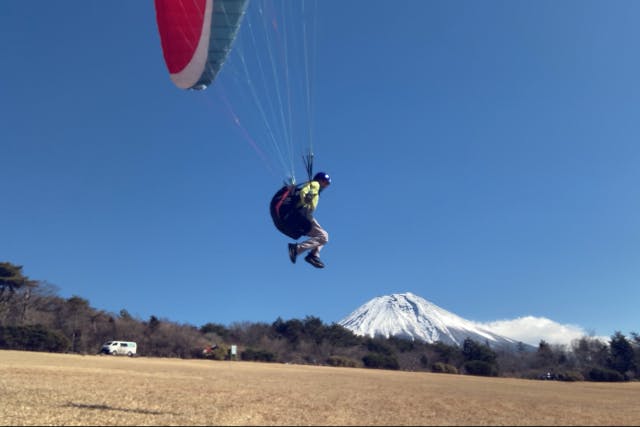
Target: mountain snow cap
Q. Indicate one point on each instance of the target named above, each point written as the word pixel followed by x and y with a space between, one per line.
pixel 411 317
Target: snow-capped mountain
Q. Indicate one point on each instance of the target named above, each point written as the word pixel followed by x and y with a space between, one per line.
pixel 412 317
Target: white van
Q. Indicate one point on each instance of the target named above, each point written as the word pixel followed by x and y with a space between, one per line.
pixel 127 348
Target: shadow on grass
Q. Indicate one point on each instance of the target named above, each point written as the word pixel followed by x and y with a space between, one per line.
pixel 103 407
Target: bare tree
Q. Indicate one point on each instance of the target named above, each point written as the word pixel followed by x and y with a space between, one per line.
pixel 15 292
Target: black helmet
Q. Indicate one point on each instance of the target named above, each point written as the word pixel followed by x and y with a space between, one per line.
pixel 322 176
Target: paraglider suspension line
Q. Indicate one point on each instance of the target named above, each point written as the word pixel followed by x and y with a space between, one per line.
pixel 308 164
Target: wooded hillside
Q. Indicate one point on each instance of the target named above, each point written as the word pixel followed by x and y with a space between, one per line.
pixel 33 317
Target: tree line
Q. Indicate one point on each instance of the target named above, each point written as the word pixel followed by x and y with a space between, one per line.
pixel 33 317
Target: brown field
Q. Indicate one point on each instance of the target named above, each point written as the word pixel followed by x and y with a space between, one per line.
pixel 65 389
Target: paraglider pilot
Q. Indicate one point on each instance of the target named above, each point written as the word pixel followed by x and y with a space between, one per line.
pixel 292 210
pixel 309 195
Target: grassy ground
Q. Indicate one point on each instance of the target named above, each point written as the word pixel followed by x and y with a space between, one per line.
pixel 63 389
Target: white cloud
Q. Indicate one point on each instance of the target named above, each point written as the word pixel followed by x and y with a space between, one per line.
pixel 531 330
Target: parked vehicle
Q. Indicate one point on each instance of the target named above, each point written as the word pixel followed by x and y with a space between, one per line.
pixel 127 348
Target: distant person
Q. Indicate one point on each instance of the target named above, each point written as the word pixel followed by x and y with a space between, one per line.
pixel 292 210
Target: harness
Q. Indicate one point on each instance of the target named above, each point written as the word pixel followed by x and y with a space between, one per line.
pixel 285 215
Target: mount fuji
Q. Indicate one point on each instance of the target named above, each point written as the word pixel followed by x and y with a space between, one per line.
pixel 412 317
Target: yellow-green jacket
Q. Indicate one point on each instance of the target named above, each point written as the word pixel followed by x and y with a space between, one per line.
pixel 309 195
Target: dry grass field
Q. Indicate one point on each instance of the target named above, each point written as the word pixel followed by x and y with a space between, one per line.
pixel 64 389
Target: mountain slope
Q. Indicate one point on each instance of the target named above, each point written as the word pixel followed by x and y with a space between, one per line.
pixel 412 317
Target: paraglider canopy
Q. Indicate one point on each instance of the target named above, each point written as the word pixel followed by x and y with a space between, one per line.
pixel 267 48
pixel 196 37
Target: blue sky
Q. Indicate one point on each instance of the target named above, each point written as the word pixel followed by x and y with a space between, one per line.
pixel 484 155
